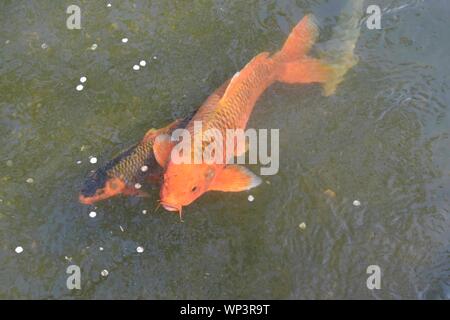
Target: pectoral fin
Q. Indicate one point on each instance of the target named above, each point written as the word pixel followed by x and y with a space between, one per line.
pixel 162 148
pixel 234 178
pixel 153 133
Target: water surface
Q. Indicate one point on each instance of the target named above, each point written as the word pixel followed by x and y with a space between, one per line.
pixel 382 139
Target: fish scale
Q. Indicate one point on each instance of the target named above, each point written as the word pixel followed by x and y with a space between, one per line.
pixel 130 168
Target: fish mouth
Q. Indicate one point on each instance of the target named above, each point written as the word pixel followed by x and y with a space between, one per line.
pixel 170 207
pixel 86 200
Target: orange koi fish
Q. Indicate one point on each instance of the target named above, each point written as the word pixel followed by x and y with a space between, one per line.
pixel 121 175
pixel 185 182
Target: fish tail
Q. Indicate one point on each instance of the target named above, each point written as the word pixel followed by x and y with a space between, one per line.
pixel 295 66
pixel 299 41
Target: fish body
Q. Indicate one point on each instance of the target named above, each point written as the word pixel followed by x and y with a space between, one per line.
pixel 127 172
pixel 185 182
pixel 135 166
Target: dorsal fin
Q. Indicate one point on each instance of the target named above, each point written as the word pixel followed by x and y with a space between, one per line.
pixel 243 74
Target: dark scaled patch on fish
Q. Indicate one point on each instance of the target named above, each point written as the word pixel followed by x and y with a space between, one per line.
pixel 94 181
pixel 127 166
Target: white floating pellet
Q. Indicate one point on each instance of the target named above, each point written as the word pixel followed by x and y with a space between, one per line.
pixel 136 67
pixel 79 87
pixel 144 168
pixel 94 46
pixel 100 248
pixel 83 79
pixel 138 186
pixel 143 63
pixel 93 160
pixel 302 225
pixel 144 211
pixel 92 214
pixel 19 249
pixel 109 5
pixel 79 162
pixel 30 180
pixel 356 203
pixel 104 273
pixel 155 57
pixel 139 249
pixel 121 228
pixel 124 40
pixel 44 46
pixel 251 198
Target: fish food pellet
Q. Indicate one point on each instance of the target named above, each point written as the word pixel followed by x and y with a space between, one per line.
pixel 93 160
pixel 79 87
pixel 140 249
pixel 83 79
pixel 143 63
pixel 92 214
pixel 101 248
pixel 19 249
pixel 138 186
pixel 356 203
pixel 104 273
pixel 144 211
pixel 94 46
pixel 109 5
pixel 251 198
pixel 44 46
pixel 302 226
pixel 144 168
pixel 79 162
pixel 136 67
pixel 30 180
pixel 124 40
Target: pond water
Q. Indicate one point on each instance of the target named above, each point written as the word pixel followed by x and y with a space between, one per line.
pixel 382 140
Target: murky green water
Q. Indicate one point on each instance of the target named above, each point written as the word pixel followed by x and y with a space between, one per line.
pixel 383 139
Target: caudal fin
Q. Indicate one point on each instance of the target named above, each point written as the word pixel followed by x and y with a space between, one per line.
pixel 297 67
pixel 300 40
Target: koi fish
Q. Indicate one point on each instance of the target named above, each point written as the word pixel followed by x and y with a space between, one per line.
pixel 185 182
pixel 134 166
pixel 127 172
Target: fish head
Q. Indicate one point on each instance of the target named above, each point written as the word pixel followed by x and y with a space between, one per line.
pixel 99 186
pixel 184 183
